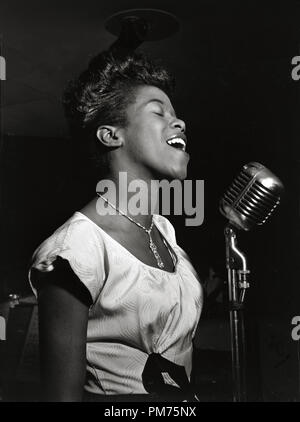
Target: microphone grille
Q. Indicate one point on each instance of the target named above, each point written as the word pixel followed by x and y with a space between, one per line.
pixel 252 197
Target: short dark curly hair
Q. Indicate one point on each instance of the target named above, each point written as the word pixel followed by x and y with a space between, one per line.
pixel 102 93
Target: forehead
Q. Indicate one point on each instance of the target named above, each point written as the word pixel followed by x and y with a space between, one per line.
pixel 145 95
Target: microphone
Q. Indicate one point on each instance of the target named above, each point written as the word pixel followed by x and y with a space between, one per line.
pixel 252 197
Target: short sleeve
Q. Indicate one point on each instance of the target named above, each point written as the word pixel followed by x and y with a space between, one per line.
pixel 82 247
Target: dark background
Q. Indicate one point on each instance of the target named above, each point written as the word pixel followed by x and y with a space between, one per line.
pixel 232 63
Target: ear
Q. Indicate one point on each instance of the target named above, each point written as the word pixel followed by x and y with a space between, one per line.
pixel 109 136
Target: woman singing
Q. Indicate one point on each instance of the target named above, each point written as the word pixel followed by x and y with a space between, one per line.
pixel 119 300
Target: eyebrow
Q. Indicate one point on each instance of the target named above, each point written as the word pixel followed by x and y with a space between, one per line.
pixel 157 100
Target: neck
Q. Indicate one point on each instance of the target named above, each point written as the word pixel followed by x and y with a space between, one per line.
pixel 134 196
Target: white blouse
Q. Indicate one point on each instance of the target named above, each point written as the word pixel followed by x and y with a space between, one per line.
pixel 137 309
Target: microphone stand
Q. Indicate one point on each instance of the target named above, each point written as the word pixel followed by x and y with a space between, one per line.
pixel 237 272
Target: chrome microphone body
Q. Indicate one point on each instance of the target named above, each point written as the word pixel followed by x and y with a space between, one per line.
pixel 249 201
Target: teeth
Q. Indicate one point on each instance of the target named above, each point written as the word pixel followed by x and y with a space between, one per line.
pixel 177 141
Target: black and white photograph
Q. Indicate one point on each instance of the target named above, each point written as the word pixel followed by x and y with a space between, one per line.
pixel 149 204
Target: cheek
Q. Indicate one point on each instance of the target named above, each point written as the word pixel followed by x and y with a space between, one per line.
pixel 144 140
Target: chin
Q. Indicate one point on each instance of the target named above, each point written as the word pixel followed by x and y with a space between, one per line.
pixel 177 174
pixel 172 170
pixel 182 175
pixel 179 167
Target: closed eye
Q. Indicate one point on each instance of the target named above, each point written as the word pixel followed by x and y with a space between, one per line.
pixel 159 114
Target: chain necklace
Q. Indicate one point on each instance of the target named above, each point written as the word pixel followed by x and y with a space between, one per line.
pixel 152 245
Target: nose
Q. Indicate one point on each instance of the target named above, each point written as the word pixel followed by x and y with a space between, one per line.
pixel 179 124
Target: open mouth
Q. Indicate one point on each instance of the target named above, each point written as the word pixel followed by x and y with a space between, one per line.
pixel 177 143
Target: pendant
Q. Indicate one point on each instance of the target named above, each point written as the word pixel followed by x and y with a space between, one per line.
pixel 155 253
